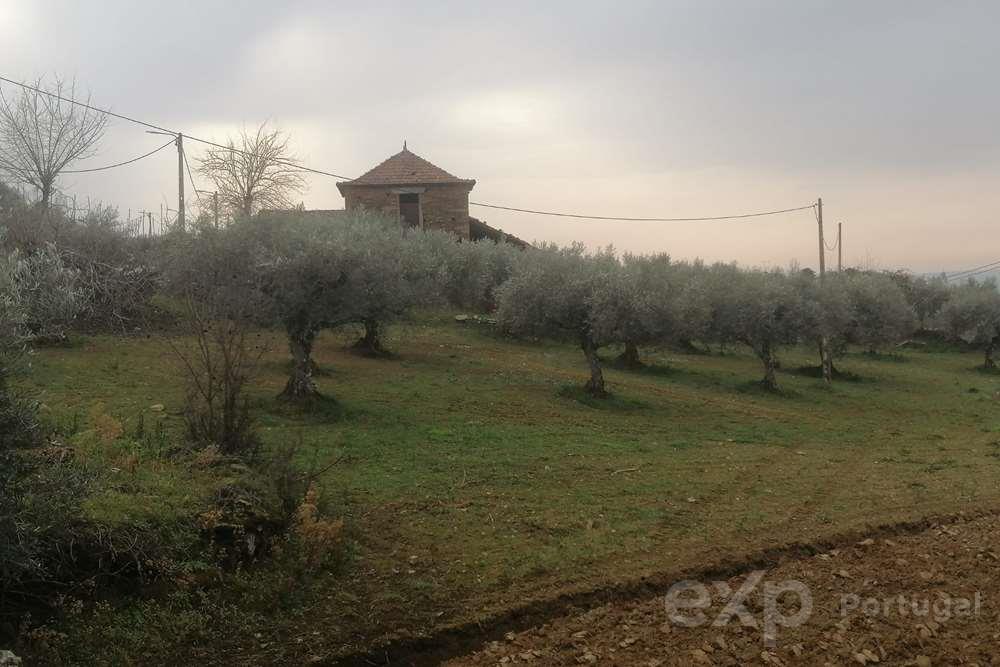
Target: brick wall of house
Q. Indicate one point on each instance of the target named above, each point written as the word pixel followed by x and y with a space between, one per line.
pixel 444 206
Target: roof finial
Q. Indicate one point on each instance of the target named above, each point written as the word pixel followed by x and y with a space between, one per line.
pixel 404 144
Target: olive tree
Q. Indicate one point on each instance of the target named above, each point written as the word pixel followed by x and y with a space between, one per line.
pixel 761 309
pixel 388 272
pixel 642 304
pixel 469 273
pixel 561 292
pixel 926 295
pixel 305 267
pixel 827 314
pixel 973 315
pixel 880 314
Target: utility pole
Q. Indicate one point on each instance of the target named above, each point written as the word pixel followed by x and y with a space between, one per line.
pixel 179 141
pixel 822 254
pixel 824 345
pixel 840 247
pixel 180 180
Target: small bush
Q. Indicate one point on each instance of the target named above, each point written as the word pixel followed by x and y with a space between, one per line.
pixel 318 540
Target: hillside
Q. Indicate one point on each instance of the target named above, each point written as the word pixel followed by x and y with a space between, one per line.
pixel 476 479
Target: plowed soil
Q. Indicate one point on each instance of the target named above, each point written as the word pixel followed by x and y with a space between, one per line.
pixel 930 598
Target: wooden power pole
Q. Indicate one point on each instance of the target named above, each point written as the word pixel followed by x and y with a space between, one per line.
pixel 822 248
pixel 180 180
pixel 179 141
pixel 840 247
pixel 824 345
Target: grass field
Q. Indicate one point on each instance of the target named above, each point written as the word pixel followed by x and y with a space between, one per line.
pixel 476 477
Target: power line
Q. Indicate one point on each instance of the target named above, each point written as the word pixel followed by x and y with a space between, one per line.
pixel 626 219
pixel 85 105
pixel 118 164
pixel 194 187
pixel 300 167
pixel 989 268
pixel 973 271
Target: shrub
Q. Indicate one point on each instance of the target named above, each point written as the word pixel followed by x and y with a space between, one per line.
pixel 39 498
pixel 214 275
pixel 317 539
pixel 49 291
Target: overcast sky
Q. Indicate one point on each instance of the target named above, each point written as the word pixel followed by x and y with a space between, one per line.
pixel 888 110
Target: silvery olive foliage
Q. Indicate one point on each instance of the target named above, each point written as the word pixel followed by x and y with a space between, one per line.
pixel 388 272
pixel 827 309
pixel 14 334
pixel 49 292
pixel 760 309
pixel 304 265
pixel 358 268
pixel 925 294
pixel 469 273
pixel 39 500
pixel 639 304
pixel 880 314
pixel 565 292
pixel 972 314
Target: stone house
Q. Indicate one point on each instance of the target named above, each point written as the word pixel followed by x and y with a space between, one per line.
pixel 420 194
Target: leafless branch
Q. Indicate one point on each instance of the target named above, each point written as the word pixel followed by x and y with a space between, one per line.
pixel 258 172
pixel 40 135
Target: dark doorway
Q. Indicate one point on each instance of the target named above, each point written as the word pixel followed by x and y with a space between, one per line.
pixel 409 209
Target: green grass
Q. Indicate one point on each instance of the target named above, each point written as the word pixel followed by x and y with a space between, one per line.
pixel 478 475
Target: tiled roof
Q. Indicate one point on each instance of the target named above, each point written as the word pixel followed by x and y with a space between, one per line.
pixel 480 230
pixel 405 168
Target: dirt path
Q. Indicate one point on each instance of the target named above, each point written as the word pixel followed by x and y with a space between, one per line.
pixel 930 598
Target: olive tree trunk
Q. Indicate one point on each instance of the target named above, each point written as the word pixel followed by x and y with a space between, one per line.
pixel 370 344
pixel 300 383
pixel 629 358
pixel 766 355
pixel 989 363
pixel 595 386
pixel 826 359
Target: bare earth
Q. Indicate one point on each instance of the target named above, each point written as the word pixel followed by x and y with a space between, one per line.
pixel 857 617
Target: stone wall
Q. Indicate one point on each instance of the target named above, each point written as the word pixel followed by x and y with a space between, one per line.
pixel 443 206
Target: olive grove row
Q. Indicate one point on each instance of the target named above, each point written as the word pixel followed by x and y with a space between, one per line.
pixel 306 273
pixel 310 274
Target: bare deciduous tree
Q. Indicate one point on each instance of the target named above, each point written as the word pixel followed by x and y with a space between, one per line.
pixel 41 134
pixel 256 172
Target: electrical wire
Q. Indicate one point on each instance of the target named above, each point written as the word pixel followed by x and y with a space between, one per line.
pixel 301 167
pixel 85 105
pixel 973 271
pixel 190 177
pixel 118 164
pixel 987 269
pixel 627 219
